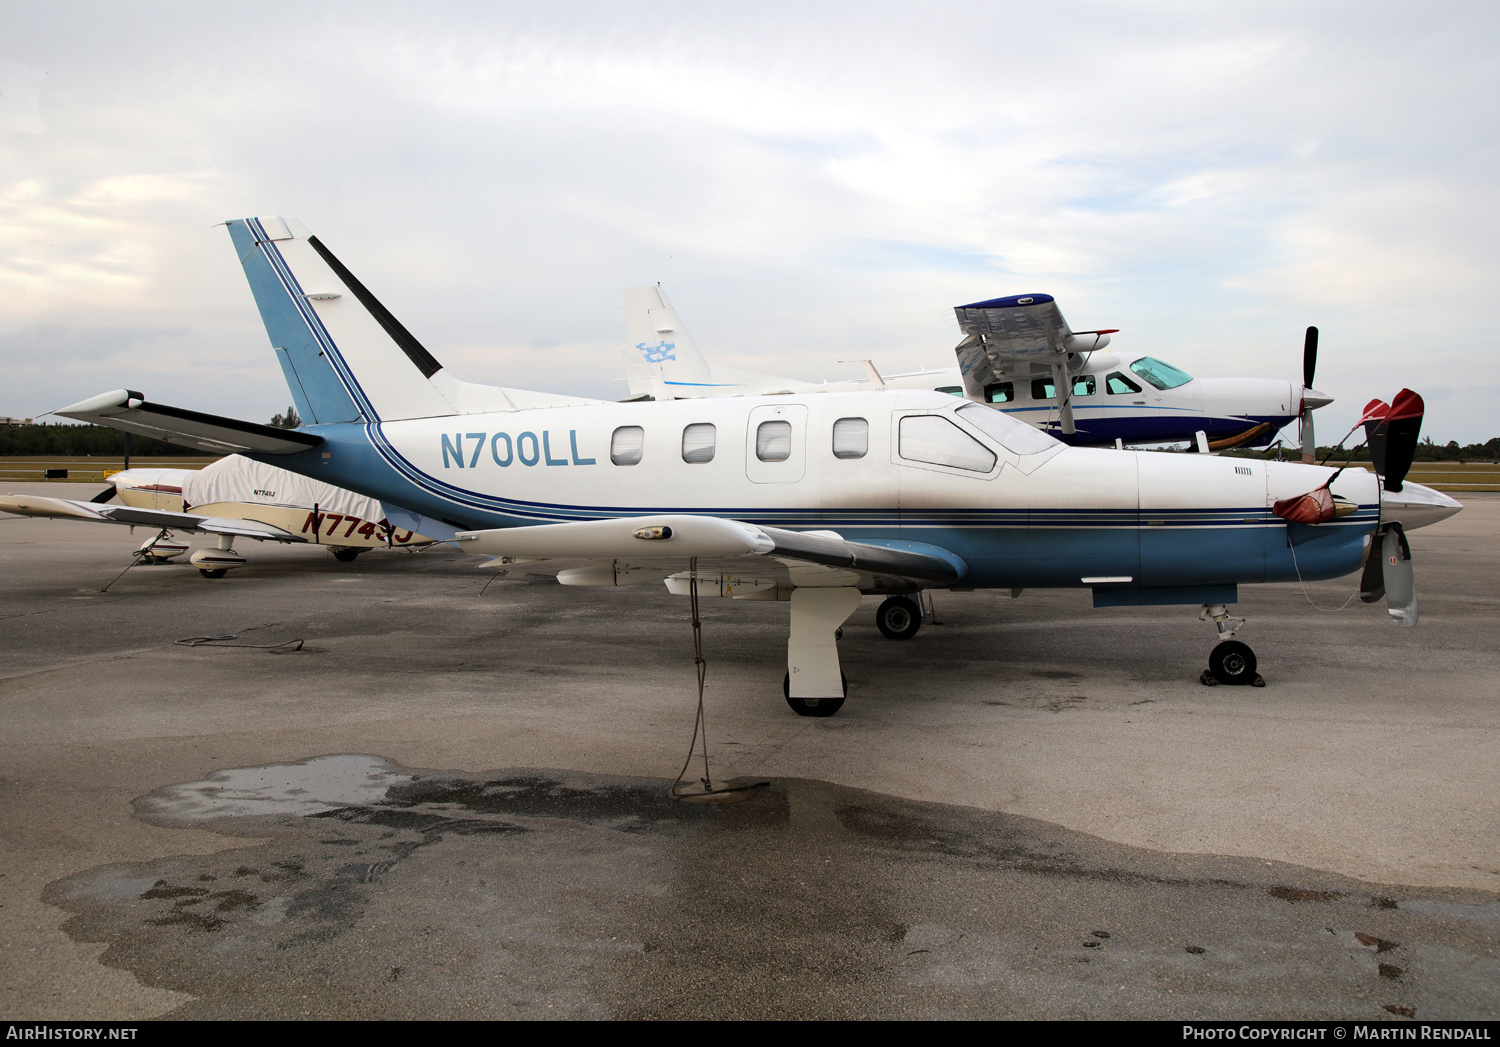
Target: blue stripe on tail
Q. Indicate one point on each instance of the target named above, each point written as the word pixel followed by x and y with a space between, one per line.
pixel 316 390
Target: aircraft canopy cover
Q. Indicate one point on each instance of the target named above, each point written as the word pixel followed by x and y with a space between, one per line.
pixel 243 481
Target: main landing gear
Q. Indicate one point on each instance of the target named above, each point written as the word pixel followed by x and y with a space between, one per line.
pixel 1231 662
pixel 814 684
pixel 898 618
pixel 215 563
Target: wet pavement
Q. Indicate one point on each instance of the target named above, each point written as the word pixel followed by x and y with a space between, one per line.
pixel 193 831
pixel 384 892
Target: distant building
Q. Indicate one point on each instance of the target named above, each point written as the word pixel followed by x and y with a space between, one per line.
pixel 7 420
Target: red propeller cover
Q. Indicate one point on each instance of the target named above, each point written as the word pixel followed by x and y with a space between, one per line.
pixel 1314 507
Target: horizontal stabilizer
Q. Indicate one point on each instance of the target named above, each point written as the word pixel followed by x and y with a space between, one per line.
pixel 130 412
pixel 67 508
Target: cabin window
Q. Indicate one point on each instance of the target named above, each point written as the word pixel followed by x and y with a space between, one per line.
pixel 951 390
pixel 1161 375
pixel 1043 389
pixel 1000 392
pixel 626 445
pixel 851 438
pixel 1119 385
pixel 934 439
pixel 1011 433
pixel 698 443
pixel 773 441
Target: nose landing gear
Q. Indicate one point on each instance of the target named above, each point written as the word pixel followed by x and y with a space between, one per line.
pixel 1231 662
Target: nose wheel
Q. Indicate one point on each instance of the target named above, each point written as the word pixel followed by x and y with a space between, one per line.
pixel 1231 662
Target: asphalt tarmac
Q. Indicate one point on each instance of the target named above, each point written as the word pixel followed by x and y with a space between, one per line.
pixel 451 802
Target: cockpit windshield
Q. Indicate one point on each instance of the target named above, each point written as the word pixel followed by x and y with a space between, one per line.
pixel 1161 375
pixel 1012 433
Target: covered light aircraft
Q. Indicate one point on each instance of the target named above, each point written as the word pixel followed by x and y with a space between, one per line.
pixel 234 497
pixel 812 499
pixel 1016 353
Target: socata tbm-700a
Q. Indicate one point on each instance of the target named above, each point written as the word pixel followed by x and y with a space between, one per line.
pixel 814 499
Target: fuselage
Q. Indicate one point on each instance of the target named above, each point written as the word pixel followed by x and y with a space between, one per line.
pixel 1020 509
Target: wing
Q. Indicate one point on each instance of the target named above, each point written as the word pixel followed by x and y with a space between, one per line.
pixel 1018 335
pixel 651 548
pixel 129 412
pixel 66 508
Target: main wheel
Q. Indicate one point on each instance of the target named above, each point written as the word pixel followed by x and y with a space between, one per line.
pixel 1232 662
pixel 898 618
pixel 345 555
pixel 219 572
pixel 814 706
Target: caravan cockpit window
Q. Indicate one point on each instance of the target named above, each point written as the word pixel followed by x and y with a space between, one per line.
pixel 1119 385
pixel 1161 375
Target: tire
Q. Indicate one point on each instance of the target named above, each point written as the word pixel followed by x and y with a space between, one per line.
pixel 345 555
pixel 814 706
pixel 218 572
pixel 898 618
pixel 1233 663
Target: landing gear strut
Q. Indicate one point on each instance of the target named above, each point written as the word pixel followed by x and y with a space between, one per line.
pixel 898 618
pixel 1231 662
pixel 814 684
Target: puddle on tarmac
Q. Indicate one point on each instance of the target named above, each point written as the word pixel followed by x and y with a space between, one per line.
pixel 377 891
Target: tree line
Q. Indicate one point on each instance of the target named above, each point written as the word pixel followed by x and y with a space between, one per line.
pixel 78 439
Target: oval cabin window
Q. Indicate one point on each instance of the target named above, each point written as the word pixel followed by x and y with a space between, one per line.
pixel 773 441
pixel 851 438
pixel 698 443
pixel 626 445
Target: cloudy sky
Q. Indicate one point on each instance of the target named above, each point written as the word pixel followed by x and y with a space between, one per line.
pixel 810 183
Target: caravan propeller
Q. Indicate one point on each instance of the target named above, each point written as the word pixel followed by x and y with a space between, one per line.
pixel 1392 431
pixel 1311 398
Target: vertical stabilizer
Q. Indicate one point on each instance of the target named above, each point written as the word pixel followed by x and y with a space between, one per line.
pixel 661 360
pixel 346 358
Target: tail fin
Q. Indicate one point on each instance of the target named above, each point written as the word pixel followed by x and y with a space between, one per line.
pixel 661 360
pixel 346 358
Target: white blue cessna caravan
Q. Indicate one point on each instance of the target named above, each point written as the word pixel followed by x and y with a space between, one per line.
pixel 814 499
pixel 1016 353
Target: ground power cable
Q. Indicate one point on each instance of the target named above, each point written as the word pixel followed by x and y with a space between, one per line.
pixel 223 641
pixel 710 794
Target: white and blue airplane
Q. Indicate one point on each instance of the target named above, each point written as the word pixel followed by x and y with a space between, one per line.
pixel 817 499
pixel 1016 353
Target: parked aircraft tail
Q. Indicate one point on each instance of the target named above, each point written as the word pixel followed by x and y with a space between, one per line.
pixel 346 358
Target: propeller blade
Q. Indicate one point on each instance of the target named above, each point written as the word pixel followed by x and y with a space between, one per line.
pixel 1403 425
pixel 1309 357
pixel 105 495
pixel 1372 581
pixel 1309 440
pixel 1400 580
pixel 1375 432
